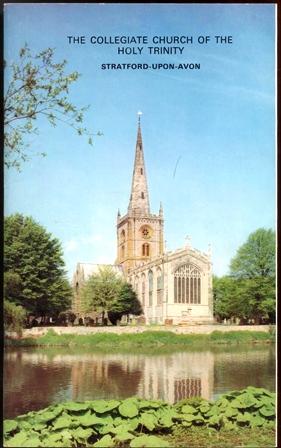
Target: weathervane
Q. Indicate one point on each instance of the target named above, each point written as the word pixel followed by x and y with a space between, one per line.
pixel 139 115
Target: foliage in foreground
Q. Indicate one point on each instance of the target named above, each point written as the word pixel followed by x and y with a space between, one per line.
pixel 137 422
pixel 145 339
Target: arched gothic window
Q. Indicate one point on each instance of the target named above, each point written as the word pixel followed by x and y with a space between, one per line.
pixel 150 287
pixel 143 289
pixel 122 236
pixel 145 250
pixel 187 284
pixel 159 286
pixel 136 285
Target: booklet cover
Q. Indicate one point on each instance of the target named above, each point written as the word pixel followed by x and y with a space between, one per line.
pixel 140 142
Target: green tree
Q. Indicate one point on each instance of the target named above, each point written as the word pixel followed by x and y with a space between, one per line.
pixel 34 271
pixel 101 291
pixel 14 317
pixel 12 285
pixel 37 86
pixel 106 292
pixel 126 303
pixel 223 293
pixel 249 291
pixel 254 269
pixel 255 258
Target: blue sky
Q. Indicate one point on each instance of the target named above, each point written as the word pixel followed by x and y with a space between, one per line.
pixel 215 125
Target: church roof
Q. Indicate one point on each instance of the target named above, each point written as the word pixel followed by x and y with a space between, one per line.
pixel 89 269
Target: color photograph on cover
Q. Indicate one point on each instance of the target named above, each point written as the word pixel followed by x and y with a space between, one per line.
pixel 140 219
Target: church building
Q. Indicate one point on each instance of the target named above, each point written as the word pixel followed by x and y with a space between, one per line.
pixel 173 287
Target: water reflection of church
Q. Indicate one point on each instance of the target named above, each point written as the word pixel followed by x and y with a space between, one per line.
pixel 170 378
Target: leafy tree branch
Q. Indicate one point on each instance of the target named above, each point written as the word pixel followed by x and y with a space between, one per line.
pixel 37 86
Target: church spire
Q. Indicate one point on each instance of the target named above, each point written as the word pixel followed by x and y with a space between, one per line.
pixel 139 200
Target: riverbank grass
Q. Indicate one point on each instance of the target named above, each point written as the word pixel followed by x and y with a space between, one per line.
pixel 208 438
pixel 144 339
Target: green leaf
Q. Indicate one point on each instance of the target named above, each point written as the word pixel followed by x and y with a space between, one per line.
pixel 187 409
pixel 148 441
pixel 106 429
pixel 47 416
pixel 27 425
pixel 102 406
pixel 230 412
pixel 38 426
pixel 243 418
pixel 91 420
pixel 150 404
pixel 148 420
pixel 214 420
pixel 204 408
pixel 62 422
pixel 9 425
pixel 257 421
pixel 18 440
pixel 267 411
pixel 189 417
pixel 105 442
pixel 124 436
pixel 230 426
pixel 76 407
pixel 128 408
pixel 222 402
pixel 81 434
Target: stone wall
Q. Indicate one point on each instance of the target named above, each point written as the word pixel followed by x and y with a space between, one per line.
pixel 188 329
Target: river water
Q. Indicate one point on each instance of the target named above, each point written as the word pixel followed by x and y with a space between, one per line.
pixel 34 378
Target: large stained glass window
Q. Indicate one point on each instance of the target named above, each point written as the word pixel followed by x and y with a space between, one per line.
pixel 187 284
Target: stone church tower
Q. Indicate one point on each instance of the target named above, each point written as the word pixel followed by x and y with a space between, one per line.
pixel 139 232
